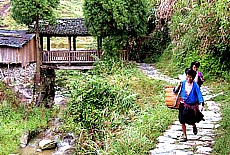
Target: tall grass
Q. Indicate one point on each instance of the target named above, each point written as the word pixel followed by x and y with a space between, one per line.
pixel 133 132
pixel 222 140
pixel 17 119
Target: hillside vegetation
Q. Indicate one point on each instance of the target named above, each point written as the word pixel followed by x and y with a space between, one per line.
pixel 200 31
pixel 66 9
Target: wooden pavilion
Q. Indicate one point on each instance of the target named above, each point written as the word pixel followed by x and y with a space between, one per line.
pixel 70 28
pixel 71 57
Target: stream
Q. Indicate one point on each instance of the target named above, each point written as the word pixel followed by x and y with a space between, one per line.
pixel 21 81
pixel 63 143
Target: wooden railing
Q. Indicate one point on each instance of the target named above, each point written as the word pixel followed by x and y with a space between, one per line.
pixel 79 56
pixel 66 56
pixel 124 55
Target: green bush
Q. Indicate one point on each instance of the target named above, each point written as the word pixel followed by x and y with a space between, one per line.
pixel 95 99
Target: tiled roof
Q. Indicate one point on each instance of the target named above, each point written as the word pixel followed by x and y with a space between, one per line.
pixel 14 38
pixel 64 27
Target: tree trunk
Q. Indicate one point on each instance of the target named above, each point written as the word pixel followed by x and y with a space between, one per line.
pixel 37 81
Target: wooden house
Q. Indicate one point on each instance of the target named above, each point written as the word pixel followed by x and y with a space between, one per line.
pixel 17 47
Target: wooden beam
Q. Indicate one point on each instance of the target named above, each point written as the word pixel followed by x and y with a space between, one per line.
pixel 76 67
pixel 49 67
pixel 67 62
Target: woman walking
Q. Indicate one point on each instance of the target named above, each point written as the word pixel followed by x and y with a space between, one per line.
pixel 191 98
pixel 199 79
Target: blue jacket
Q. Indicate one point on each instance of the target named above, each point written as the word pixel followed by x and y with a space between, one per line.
pixel 195 95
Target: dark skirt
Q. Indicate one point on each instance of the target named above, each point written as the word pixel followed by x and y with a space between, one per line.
pixel 188 116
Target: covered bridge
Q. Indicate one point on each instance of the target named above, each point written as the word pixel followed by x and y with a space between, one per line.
pixel 70 28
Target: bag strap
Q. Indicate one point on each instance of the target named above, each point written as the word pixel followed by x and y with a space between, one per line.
pixel 177 97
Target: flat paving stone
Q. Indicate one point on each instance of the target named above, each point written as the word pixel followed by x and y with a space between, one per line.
pixel 160 151
pixel 163 139
pixel 195 143
pixel 183 152
pixel 206 138
pixel 210 103
pixel 176 128
pixel 204 150
pixel 173 134
pixel 193 137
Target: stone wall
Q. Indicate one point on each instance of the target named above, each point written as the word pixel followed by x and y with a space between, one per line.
pixel 17 74
pixel 21 79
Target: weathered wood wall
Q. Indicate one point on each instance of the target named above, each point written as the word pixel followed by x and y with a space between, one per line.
pixel 24 55
pixel 28 52
pixel 9 55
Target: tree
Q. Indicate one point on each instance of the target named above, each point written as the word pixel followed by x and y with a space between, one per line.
pixel 116 21
pixel 29 12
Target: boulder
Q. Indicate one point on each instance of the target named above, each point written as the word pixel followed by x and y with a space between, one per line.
pixel 47 144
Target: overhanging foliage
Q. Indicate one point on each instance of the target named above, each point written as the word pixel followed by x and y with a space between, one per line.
pixel 27 11
pixel 116 21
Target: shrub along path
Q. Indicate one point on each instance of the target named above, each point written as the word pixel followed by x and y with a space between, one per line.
pixel 201 143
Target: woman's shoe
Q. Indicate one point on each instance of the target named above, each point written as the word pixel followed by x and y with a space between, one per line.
pixel 194 130
pixel 184 140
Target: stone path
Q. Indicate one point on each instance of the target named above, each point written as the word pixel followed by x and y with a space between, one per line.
pixel 197 144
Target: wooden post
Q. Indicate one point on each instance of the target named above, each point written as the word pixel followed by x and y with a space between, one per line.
pixel 25 73
pixel 69 58
pixel 74 43
pixel 24 66
pixel 48 43
pixel 99 43
pixel 8 71
pixel 38 63
pixel 41 43
pixel 69 44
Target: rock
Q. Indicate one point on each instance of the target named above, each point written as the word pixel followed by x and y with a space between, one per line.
pixel 47 144
pixel 24 140
pixel 38 150
pixel 8 80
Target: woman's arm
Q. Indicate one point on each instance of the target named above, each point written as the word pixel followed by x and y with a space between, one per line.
pixel 177 88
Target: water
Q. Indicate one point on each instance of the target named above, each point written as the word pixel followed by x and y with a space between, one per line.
pixel 65 141
pixel 30 150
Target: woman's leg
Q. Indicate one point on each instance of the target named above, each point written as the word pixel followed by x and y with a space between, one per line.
pixel 194 129
pixel 184 130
